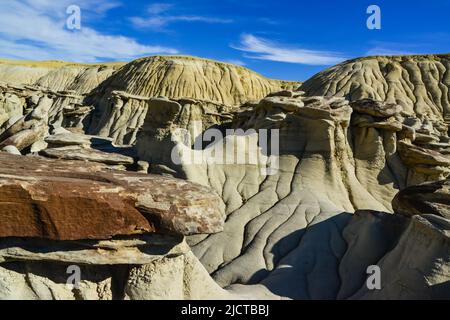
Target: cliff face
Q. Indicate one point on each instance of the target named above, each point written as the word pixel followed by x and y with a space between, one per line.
pixel 286 232
pixel 170 76
pixel 123 96
pixel 420 84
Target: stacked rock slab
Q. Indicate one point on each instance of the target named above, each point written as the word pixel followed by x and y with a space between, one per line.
pixel 115 227
pixel 418 83
pixel 56 75
pixel 38 127
pixel 430 198
pixel 411 248
pixel 299 222
pixel 284 231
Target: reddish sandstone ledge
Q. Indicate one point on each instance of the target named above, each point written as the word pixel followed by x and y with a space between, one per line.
pixel 73 200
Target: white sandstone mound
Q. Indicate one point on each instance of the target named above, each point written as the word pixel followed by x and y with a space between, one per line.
pixel 420 84
pixel 306 178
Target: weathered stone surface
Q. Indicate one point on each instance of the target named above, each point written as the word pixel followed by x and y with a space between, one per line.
pixel 425 138
pixel 174 278
pixel 87 154
pixel 68 139
pixel 290 231
pixel 413 255
pixel 407 134
pixel 71 200
pixel 11 150
pixel 369 236
pixel 30 128
pixel 418 83
pixel 367 121
pixel 282 93
pixel 36 280
pixel 10 106
pixel 65 209
pixel 284 103
pixel 376 108
pixel 62 137
pixel 121 250
pixel 167 275
pixel 26 138
pixel 414 155
pixel 38 146
pixel 426 198
pixel 143 166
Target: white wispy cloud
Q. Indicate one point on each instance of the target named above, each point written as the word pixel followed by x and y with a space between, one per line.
pixel 36 29
pixel 159 16
pixel 264 49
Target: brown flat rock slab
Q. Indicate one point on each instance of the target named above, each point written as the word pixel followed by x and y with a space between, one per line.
pixel 376 108
pixel 72 200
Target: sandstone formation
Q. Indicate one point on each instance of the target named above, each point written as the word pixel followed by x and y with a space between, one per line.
pixel 418 83
pixel 122 101
pixel 334 157
pixel 189 77
pixel 111 99
pixel 63 200
pixel 414 263
pixel 152 266
pixel 56 75
pixel 427 198
pixel 287 192
pixel 122 231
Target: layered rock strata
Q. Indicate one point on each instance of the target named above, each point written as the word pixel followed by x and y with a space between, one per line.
pixel 308 207
pixel 120 234
pixel 334 157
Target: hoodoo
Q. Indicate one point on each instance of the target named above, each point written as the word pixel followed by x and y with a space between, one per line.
pixel 352 172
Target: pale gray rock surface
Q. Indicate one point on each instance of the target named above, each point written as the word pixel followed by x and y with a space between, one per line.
pixel 84 154
pixel 285 232
pixel 305 223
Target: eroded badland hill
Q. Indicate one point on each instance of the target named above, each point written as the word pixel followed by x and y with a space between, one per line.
pixel 359 178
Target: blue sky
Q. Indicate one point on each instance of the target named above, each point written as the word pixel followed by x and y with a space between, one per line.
pixel 279 39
